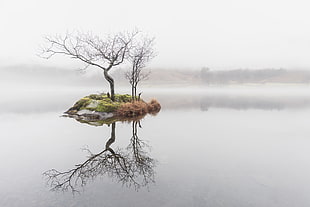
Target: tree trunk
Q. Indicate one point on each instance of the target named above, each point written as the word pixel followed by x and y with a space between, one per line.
pixel 111 82
pixel 135 91
pixel 112 138
pixel 132 93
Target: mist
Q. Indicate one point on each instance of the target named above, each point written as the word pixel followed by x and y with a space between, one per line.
pixel 218 34
pixel 230 80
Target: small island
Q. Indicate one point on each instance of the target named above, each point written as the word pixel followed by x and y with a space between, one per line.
pixel 99 109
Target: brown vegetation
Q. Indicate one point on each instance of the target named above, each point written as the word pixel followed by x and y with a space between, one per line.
pixel 138 108
pixel 153 107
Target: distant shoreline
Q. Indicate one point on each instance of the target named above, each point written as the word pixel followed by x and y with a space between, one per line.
pixel 158 78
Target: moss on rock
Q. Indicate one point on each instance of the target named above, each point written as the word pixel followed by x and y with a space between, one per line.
pixel 100 103
pixel 99 109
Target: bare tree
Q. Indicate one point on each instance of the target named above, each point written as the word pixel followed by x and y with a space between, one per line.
pixel 92 50
pixel 128 168
pixel 143 163
pixel 140 54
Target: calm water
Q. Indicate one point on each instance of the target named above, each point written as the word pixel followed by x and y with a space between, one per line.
pixel 205 148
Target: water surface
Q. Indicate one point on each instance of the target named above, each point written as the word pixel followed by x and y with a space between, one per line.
pixel 208 148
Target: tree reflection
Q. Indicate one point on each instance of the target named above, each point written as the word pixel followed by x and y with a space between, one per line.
pixel 143 164
pixel 131 166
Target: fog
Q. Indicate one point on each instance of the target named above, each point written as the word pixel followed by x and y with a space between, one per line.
pixel 253 141
pixel 232 78
pixel 219 34
pixel 36 89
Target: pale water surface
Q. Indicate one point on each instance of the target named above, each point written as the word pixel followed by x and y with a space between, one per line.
pixel 210 148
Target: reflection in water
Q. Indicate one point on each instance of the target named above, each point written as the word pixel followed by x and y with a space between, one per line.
pixel 131 166
pixel 239 102
pixel 235 101
pixel 265 99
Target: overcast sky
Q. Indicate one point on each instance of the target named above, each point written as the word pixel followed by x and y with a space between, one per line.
pixel 218 34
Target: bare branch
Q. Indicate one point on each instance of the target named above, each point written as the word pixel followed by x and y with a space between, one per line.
pixel 131 168
pixel 92 50
pixel 140 54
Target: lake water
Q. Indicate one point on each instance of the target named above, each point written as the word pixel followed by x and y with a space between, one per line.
pixel 206 147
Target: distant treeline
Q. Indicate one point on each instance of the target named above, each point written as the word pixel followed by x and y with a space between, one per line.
pixel 261 76
pixel 158 77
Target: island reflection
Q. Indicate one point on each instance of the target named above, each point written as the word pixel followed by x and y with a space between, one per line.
pixel 132 166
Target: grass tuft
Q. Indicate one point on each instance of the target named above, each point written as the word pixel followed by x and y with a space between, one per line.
pixel 138 108
pixel 153 107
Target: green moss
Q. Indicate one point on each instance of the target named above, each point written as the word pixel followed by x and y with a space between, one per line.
pixel 97 96
pixel 123 98
pixel 82 103
pixel 100 103
pixel 105 106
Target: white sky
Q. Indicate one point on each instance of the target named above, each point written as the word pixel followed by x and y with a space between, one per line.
pixel 217 34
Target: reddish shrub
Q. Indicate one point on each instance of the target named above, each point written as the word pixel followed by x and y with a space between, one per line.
pixel 153 106
pixel 138 108
pixel 132 109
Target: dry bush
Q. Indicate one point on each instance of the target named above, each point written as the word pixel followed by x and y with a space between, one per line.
pixel 132 109
pixel 138 108
pixel 153 106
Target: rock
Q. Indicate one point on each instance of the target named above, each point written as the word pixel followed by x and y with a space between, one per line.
pixel 84 111
pixel 88 115
pixel 93 104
